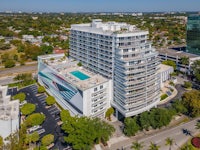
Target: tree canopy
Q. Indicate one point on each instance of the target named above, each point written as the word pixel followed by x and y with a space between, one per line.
pixel 41 89
pixel 109 112
pixel 21 96
pixel 35 119
pixel 196 70
pixel 191 101
pixel 50 100
pixel 84 132
pixel 34 137
pixel 28 108
pixel 47 139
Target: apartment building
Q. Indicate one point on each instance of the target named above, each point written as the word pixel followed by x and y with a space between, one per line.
pixel 120 52
pixel 75 88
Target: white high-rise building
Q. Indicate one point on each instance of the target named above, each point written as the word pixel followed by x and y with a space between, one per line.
pixel 9 113
pixel 120 52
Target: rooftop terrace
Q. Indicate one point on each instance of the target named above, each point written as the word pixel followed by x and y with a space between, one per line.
pixel 78 76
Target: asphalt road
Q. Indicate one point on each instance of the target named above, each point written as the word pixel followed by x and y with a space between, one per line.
pixel 176 133
pixel 18 69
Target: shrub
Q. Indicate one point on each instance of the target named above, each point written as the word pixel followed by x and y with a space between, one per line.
pixel 162 97
pixel 79 64
pixel 187 85
pixel 9 63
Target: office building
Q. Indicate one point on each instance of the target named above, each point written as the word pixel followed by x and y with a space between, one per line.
pixel 76 89
pixel 9 113
pixel 120 52
pixel 193 34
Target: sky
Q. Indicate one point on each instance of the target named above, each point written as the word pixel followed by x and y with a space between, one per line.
pixel 99 5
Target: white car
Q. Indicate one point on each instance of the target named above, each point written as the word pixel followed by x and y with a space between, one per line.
pixel 34 128
pixel 22 103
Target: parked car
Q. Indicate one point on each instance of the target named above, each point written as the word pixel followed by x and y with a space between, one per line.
pixel 34 128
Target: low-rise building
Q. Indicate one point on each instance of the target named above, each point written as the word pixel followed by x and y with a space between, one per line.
pixel 174 55
pixel 164 73
pixel 74 87
pixel 9 113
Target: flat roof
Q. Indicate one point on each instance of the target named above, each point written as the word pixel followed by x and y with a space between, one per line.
pixel 175 53
pixel 65 66
pixel 163 67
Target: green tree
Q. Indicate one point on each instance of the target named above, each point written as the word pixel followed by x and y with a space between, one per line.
pixel 187 85
pixel 185 61
pixel 169 63
pixel 50 100
pixel 144 120
pixel 28 109
pixel 79 64
pixel 196 70
pixel 21 96
pixel 154 146
pixel 46 49
pixel 179 107
pixel 35 119
pixel 109 112
pixel 34 137
pixel 9 63
pixel 47 139
pixel 191 102
pixel 1 142
pixel 131 126
pixel 137 146
pixel 170 142
pixel 84 132
pixel 198 125
pixel 41 89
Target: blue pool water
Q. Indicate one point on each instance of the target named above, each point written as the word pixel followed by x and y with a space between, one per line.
pixel 79 75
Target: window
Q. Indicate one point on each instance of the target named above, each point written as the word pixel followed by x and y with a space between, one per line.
pixel 101 87
pixel 95 89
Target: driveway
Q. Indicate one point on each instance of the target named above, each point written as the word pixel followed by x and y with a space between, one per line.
pixel 50 123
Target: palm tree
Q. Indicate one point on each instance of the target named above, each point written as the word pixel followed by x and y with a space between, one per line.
pixel 154 146
pixel 137 146
pixel 169 142
pixel 185 61
pixel 198 125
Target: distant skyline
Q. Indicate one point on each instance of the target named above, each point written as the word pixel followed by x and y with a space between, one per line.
pixel 99 5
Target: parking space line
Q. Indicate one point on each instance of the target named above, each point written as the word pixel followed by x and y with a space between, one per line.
pixel 57 118
pixel 54 112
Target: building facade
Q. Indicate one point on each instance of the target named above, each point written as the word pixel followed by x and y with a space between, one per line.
pixel 193 34
pixel 175 56
pixel 9 113
pixel 164 73
pixel 76 89
pixel 120 52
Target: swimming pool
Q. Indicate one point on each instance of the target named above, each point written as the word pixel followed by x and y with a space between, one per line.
pixel 79 75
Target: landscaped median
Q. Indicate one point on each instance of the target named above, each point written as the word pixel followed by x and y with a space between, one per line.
pixel 165 97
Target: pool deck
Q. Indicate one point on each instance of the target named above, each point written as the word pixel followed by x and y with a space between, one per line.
pixel 65 66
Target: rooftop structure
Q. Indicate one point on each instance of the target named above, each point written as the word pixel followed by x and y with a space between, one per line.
pixel 9 113
pixel 74 87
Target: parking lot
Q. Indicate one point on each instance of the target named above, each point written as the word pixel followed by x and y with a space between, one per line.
pixel 52 113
